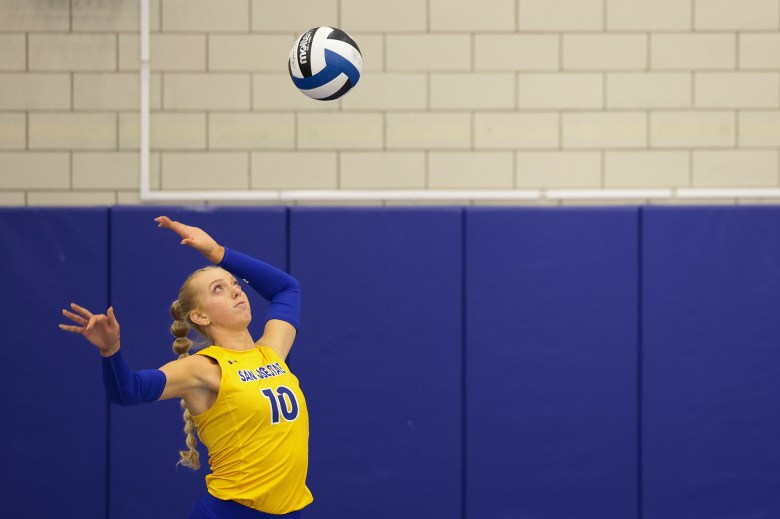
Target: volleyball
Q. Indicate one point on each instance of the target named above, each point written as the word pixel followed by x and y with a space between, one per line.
pixel 325 63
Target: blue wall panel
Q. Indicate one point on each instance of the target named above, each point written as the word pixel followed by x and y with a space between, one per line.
pixel 551 363
pixel 148 267
pixel 54 411
pixel 379 358
pixel 711 358
pixel 554 387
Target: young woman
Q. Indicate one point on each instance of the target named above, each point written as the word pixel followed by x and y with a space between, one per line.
pixel 239 394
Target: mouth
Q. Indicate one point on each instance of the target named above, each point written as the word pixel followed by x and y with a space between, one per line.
pixel 242 303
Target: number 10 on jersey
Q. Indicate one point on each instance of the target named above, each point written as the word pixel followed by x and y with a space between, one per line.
pixel 282 402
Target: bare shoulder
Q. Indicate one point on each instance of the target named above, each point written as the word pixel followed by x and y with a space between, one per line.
pixel 194 362
pixel 203 366
pixel 192 373
pixel 201 360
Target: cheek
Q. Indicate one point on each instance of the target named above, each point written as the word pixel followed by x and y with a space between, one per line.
pixel 217 305
pixel 210 304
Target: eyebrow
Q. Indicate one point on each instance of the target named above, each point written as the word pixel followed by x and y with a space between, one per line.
pixel 222 279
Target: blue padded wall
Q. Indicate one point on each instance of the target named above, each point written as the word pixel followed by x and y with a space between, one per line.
pixel 551 363
pixel 512 361
pixel 711 404
pixel 54 411
pixel 148 267
pixel 379 358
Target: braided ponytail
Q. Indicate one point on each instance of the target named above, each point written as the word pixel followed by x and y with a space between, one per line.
pixel 180 311
pixel 180 329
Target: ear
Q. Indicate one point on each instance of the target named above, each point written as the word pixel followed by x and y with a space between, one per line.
pixel 199 318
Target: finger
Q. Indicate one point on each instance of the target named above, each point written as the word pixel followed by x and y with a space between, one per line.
pixel 83 311
pixel 112 317
pixel 162 221
pixel 177 227
pixel 171 224
pixel 72 329
pixel 91 323
pixel 167 223
pixel 74 317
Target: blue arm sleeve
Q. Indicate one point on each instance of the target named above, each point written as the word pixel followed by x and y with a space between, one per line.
pixel 281 289
pixel 126 387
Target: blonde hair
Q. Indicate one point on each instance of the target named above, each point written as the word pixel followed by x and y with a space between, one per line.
pixel 180 311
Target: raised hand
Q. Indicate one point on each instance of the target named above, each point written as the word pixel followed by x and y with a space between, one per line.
pixel 195 237
pixel 100 329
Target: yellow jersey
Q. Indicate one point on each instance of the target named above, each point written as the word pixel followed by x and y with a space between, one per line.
pixel 257 432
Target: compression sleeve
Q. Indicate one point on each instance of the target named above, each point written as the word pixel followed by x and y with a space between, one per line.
pixel 126 387
pixel 280 288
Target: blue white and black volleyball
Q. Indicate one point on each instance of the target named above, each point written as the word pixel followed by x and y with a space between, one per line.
pixel 325 63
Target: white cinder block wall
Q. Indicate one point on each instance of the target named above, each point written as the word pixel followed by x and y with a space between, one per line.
pixel 455 94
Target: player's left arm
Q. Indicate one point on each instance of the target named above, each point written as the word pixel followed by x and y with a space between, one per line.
pixel 279 336
pixel 276 286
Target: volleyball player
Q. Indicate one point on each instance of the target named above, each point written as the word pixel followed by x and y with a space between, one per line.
pixel 238 394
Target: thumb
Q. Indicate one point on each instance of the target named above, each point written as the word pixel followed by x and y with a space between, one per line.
pixel 112 317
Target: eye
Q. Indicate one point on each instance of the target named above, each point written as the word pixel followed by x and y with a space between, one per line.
pixel 217 287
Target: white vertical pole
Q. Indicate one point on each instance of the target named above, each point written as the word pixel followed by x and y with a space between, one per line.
pixel 145 159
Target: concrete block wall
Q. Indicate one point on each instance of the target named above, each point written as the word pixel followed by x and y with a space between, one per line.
pixel 455 94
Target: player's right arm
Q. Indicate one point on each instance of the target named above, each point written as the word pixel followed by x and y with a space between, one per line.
pixel 182 378
pixel 192 378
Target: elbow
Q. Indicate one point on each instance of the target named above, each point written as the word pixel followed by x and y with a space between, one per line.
pixel 291 293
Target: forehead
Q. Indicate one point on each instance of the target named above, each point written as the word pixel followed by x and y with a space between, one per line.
pixel 205 278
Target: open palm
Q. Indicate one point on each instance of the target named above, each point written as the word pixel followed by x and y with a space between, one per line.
pixel 195 237
pixel 102 330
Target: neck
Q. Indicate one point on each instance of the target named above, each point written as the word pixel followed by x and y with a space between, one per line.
pixel 239 340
